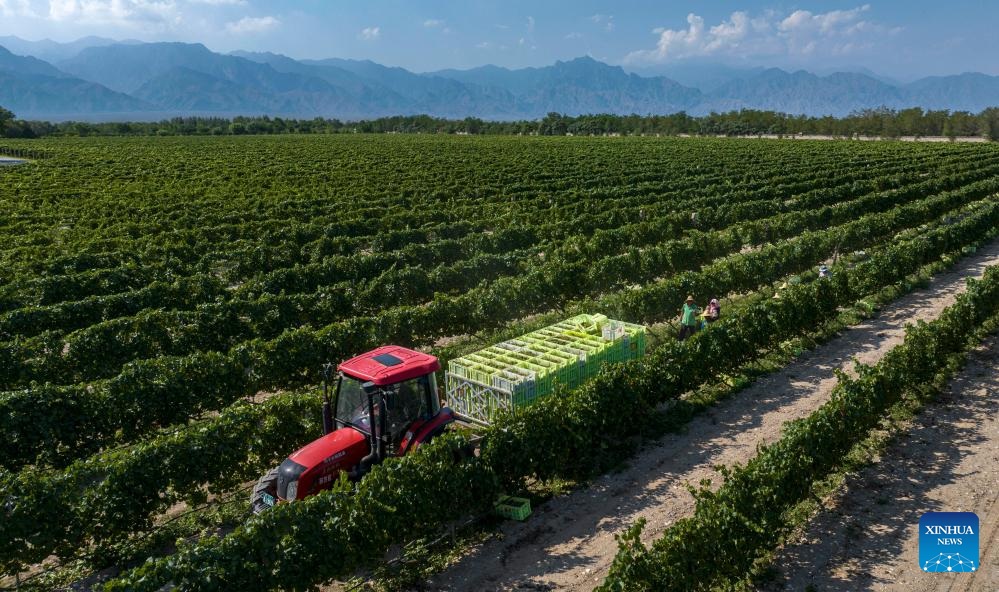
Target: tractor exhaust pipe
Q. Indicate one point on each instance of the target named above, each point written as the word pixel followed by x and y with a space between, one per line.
pixel 377 455
pixel 327 418
pixel 377 446
pixel 327 406
pixel 365 464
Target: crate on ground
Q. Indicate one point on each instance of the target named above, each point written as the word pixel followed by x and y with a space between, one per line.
pixel 513 508
pixel 513 374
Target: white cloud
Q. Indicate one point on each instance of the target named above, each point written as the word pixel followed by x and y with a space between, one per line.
pixel 370 33
pixel 437 24
pixel 252 24
pixel 530 24
pixel 574 35
pixel 801 33
pixel 134 15
pixel 839 31
pixel 606 21
pixel 16 8
pixel 124 13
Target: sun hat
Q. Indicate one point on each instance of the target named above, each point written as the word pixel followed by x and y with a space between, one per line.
pixel 690 298
pixel 714 301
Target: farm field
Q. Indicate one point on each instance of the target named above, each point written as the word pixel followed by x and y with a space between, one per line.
pixel 167 304
pixel 574 537
pixel 945 458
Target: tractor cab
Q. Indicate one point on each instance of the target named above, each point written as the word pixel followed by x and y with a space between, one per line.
pixel 384 403
pixel 386 392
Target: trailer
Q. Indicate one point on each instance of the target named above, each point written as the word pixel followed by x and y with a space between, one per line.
pixel 511 375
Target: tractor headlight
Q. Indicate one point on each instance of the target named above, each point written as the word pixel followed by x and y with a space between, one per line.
pixel 292 491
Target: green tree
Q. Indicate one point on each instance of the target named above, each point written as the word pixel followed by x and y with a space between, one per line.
pixel 473 125
pixel 554 124
pixel 890 129
pixel 6 119
pixel 909 122
pixel 990 123
pixel 950 130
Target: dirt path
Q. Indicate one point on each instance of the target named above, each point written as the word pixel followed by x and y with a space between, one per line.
pixel 568 543
pixel 867 538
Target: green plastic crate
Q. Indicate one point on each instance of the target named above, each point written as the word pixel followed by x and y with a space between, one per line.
pixel 513 508
pixel 515 373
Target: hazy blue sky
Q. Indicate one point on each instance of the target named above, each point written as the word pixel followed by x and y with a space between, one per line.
pixel 895 37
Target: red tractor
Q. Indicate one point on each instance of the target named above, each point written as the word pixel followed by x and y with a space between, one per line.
pixel 385 403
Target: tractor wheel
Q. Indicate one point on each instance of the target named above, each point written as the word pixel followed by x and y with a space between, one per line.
pixel 267 484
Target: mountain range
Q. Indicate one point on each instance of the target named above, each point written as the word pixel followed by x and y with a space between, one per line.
pixel 102 79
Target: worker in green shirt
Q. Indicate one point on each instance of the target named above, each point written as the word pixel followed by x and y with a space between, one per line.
pixel 688 318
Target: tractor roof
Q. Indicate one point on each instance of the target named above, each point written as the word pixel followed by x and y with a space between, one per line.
pixel 390 364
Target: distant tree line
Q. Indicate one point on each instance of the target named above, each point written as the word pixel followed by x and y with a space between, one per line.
pixel 883 122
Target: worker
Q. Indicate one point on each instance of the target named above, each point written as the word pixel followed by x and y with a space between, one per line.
pixel 713 313
pixel 823 272
pixel 688 318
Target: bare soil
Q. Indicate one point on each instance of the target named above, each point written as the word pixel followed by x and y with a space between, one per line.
pixel 568 544
pixel 947 461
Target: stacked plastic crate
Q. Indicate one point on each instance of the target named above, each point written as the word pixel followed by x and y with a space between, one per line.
pixel 514 373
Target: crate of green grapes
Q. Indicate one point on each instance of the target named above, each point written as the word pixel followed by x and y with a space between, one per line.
pixel 513 374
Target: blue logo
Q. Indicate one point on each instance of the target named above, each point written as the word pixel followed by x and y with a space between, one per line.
pixel 948 541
